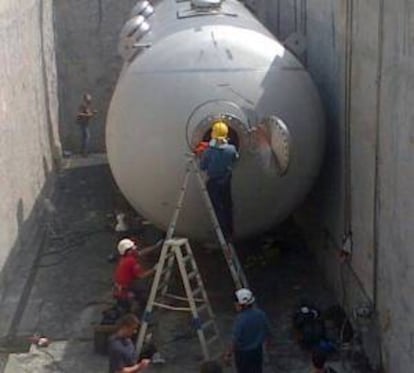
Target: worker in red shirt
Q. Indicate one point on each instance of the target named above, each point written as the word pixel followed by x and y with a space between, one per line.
pixel 130 275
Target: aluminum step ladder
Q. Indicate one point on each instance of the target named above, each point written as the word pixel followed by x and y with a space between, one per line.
pixel 178 250
pixel 171 252
pixel 229 252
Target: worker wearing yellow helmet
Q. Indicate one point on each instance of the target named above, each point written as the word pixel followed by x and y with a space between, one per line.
pixel 219 131
pixel 218 161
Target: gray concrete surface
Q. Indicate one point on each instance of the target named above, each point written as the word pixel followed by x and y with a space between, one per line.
pixel 29 146
pixel 72 285
pixel 87 60
pixel 360 55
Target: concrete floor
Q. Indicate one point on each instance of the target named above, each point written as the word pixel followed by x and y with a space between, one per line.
pixel 73 285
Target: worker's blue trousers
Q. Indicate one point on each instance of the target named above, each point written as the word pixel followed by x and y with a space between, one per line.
pixel 85 138
pixel 219 190
pixel 250 361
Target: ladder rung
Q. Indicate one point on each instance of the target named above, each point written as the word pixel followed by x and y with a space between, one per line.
pixel 165 271
pixel 212 339
pixel 197 291
pixel 192 275
pixel 169 255
pixel 171 308
pixel 176 241
pixel 187 258
pixel 208 324
pixel 202 308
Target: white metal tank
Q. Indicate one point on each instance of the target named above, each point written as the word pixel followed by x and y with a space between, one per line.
pixel 187 63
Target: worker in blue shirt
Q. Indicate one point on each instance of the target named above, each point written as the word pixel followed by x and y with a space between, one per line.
pixel 123 357
pixel 251 329
pixel 218 160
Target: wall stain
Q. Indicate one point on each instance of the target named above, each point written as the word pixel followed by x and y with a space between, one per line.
pixel 100 14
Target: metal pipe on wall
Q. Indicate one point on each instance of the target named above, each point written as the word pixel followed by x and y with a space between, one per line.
pixel 347 122
pixel 377 174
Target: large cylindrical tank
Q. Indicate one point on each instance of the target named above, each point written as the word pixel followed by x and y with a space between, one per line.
pixel 187 63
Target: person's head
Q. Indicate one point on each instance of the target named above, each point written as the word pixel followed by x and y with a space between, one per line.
pixel 210 367
pixel 87 98
pixel 244 298
pixel 219 131
pixel 127 325
pixel 125 246
pixel 318 359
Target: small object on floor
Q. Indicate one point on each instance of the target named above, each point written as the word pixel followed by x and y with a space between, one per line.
pixel 157 359
pixel 39 340
pixel 112 258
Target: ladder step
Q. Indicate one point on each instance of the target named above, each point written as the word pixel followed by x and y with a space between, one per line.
pixel 212 339
pixel 187 258
pixel 176 241
pixel 208 324
pixel 192 275
pixel 202 308
pixel 169 255
pixel 197 292
pixel 165 271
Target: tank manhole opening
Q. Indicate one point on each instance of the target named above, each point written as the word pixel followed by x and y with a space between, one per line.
pixel 236 136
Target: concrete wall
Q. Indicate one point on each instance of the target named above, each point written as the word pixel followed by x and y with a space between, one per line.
pixel 87 38
pixel 395 206
pixel 28 124
pixel 361 56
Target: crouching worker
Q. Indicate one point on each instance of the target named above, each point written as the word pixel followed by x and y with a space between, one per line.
pixel 123 356
pixel 250 330
pixel 130 277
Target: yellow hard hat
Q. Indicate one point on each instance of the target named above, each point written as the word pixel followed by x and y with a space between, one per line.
pixel 219 131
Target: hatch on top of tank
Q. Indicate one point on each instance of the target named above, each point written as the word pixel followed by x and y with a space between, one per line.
pixel 206 3
pixel 199 8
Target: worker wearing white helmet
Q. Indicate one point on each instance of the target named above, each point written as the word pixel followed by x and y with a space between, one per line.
pixel 251 329
pixel 125 245
pixel 129 273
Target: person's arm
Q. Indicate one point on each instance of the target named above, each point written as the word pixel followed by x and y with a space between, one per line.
pixel 117 362
pixel 235 337
pixel 139 272
pixel 152 248
pixel 148 273
pixel 236 154
pixel 132 369
pixel 83 112
pixel 268 340
pixel 85 115
pixel 204 160
pixel 139 367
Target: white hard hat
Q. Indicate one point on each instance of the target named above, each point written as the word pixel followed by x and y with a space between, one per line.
pixel 125 245
pixel 244 297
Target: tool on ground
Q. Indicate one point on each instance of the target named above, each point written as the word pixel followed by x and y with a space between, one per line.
pixel 179 250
